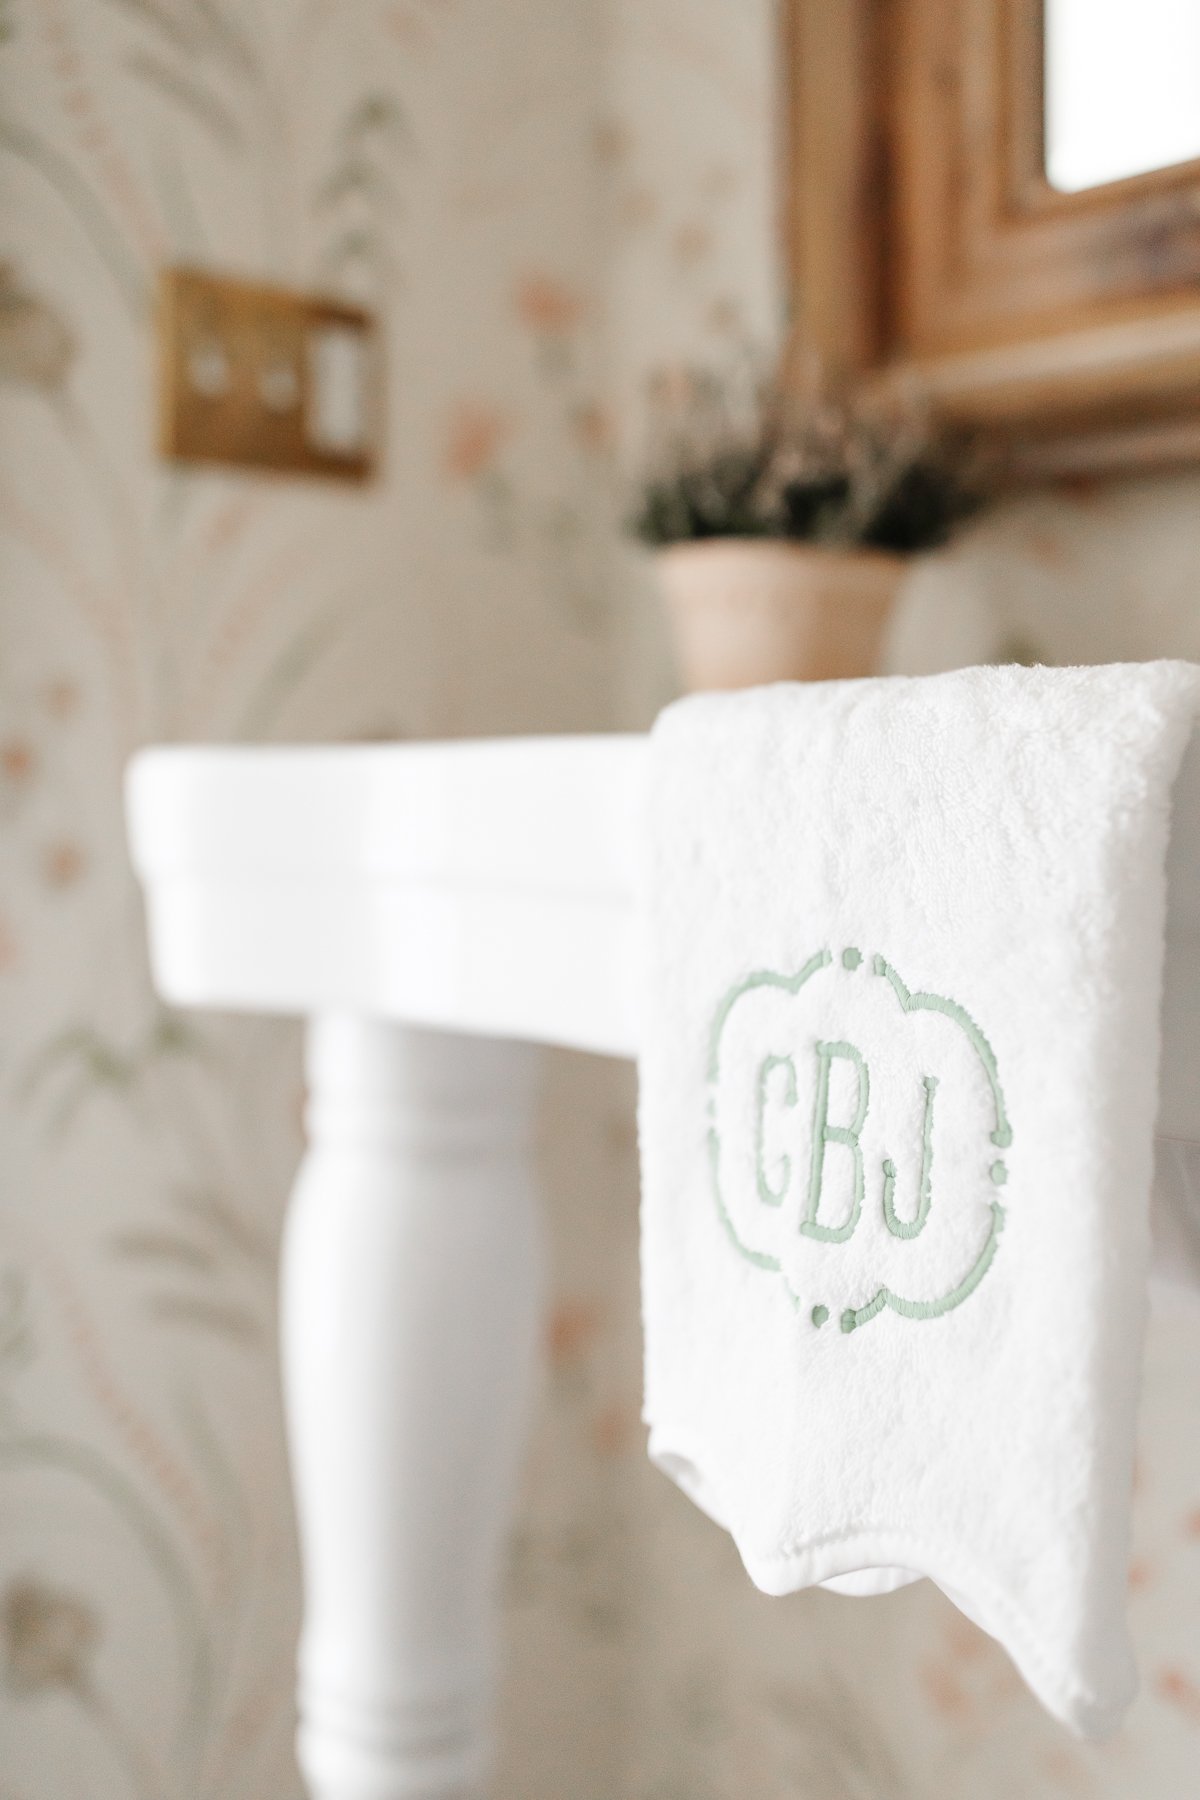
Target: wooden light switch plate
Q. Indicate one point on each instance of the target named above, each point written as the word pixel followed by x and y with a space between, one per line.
pixel 266 378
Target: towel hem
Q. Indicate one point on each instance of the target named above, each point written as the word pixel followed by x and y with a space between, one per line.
pixel 811 1561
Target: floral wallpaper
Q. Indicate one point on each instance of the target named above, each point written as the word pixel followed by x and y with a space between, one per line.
pixel 545 203
pixel 148 1594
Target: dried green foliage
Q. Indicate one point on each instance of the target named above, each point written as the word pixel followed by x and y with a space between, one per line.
pixel 738 456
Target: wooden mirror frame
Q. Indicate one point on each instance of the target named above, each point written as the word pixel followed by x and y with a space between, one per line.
pixel 923 241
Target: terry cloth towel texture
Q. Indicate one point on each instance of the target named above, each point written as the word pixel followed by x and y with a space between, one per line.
pixel 898 1088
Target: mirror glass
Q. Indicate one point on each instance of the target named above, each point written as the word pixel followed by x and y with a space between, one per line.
pixel 1122 89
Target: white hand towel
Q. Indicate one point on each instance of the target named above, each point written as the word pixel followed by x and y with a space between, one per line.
pixel 898 1090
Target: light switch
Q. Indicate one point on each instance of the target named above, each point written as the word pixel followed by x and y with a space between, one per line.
pixel 337 389
pixel 266 378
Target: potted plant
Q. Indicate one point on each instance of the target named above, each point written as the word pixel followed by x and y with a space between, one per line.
pixel 782 521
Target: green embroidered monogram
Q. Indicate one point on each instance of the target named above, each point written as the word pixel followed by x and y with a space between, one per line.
pixel 767 1194
pixel 909 1228
pixel 823 1134
pixel 866 1170
pixel 1002 1136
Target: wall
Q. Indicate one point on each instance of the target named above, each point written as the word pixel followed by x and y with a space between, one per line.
pixel 419 156
pixel 547 202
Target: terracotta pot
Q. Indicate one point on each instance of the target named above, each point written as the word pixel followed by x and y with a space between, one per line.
pixel 746 611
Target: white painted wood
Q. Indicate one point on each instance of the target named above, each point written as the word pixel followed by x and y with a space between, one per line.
pixel 410 1290
pixel 487 887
